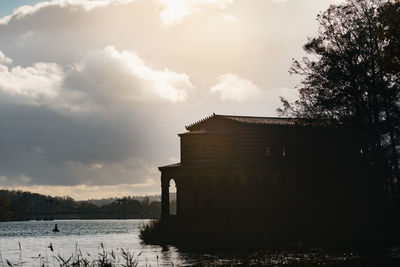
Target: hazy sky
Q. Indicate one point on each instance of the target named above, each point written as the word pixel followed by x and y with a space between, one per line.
pixel 94 92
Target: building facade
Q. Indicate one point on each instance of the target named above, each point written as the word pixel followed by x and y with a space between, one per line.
pixel 281 170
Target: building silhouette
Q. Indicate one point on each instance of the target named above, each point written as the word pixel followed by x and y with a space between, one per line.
pixel 294 174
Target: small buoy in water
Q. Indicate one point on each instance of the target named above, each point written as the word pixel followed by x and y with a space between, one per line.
pixel 56 228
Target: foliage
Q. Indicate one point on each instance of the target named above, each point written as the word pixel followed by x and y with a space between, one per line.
pixel 5 213
pixel 351 75
pixel 389 17
pixel 18 205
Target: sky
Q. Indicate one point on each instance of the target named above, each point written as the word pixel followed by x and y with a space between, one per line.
pixel 8 6
pixel 94 92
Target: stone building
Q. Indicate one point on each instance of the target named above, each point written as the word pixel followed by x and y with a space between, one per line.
pixel 299 173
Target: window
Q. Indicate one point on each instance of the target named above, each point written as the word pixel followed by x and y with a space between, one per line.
pixel 268 151
pixel 283 151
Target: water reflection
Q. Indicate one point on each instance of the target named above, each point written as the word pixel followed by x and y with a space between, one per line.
pixel 87 235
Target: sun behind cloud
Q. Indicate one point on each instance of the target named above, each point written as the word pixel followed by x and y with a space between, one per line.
pixel 175 10
pixel 233 87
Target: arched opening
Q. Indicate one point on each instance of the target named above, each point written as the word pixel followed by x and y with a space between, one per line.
pixel 172 197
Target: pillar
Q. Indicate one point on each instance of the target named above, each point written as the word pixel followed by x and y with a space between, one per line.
pixel 178 198
pixel 164 196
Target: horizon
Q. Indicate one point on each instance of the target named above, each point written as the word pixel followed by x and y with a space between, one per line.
pixel 91 199
pixel 94 93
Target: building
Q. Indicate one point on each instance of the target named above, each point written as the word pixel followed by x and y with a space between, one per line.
pixel 305 174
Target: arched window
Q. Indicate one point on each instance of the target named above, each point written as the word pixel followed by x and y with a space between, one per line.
pixel 172 197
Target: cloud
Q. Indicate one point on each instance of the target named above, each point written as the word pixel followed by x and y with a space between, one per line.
pixel 108 76
pixel 175 10
pixel 88 5
pixel 229 17
pixel 92 93
pixel 49 138
pixel 104 77
pixel 39 146
pixel 234 88
pixel 4 59
pixel 33 84
pixel 172 11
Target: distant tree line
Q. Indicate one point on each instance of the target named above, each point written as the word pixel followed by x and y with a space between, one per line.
pixel 22 206
pixel 105 201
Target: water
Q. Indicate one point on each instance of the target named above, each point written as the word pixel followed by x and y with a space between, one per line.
pixel 34 238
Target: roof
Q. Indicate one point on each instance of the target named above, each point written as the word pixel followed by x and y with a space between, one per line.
pixel 276 121
pixel 171 166
pixel 203 131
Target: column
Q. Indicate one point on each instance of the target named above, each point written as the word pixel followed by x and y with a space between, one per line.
pixel 178 198
pixel 164 196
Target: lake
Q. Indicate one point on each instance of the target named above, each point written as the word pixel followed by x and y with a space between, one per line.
pixel 34 237
pixel 87 235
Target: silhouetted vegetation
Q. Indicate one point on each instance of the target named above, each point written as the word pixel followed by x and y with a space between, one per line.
pixel 22 206
pixel 126 258
pixel 104 258
pixel 352 76
pixel 105 201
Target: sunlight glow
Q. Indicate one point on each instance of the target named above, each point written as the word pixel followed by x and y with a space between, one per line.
pixel 165 84
pixel 235 88
pixel 176 10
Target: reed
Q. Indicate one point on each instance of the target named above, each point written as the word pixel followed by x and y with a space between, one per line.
pixel 104 258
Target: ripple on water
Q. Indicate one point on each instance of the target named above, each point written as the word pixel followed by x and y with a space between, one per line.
pixel 87 235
